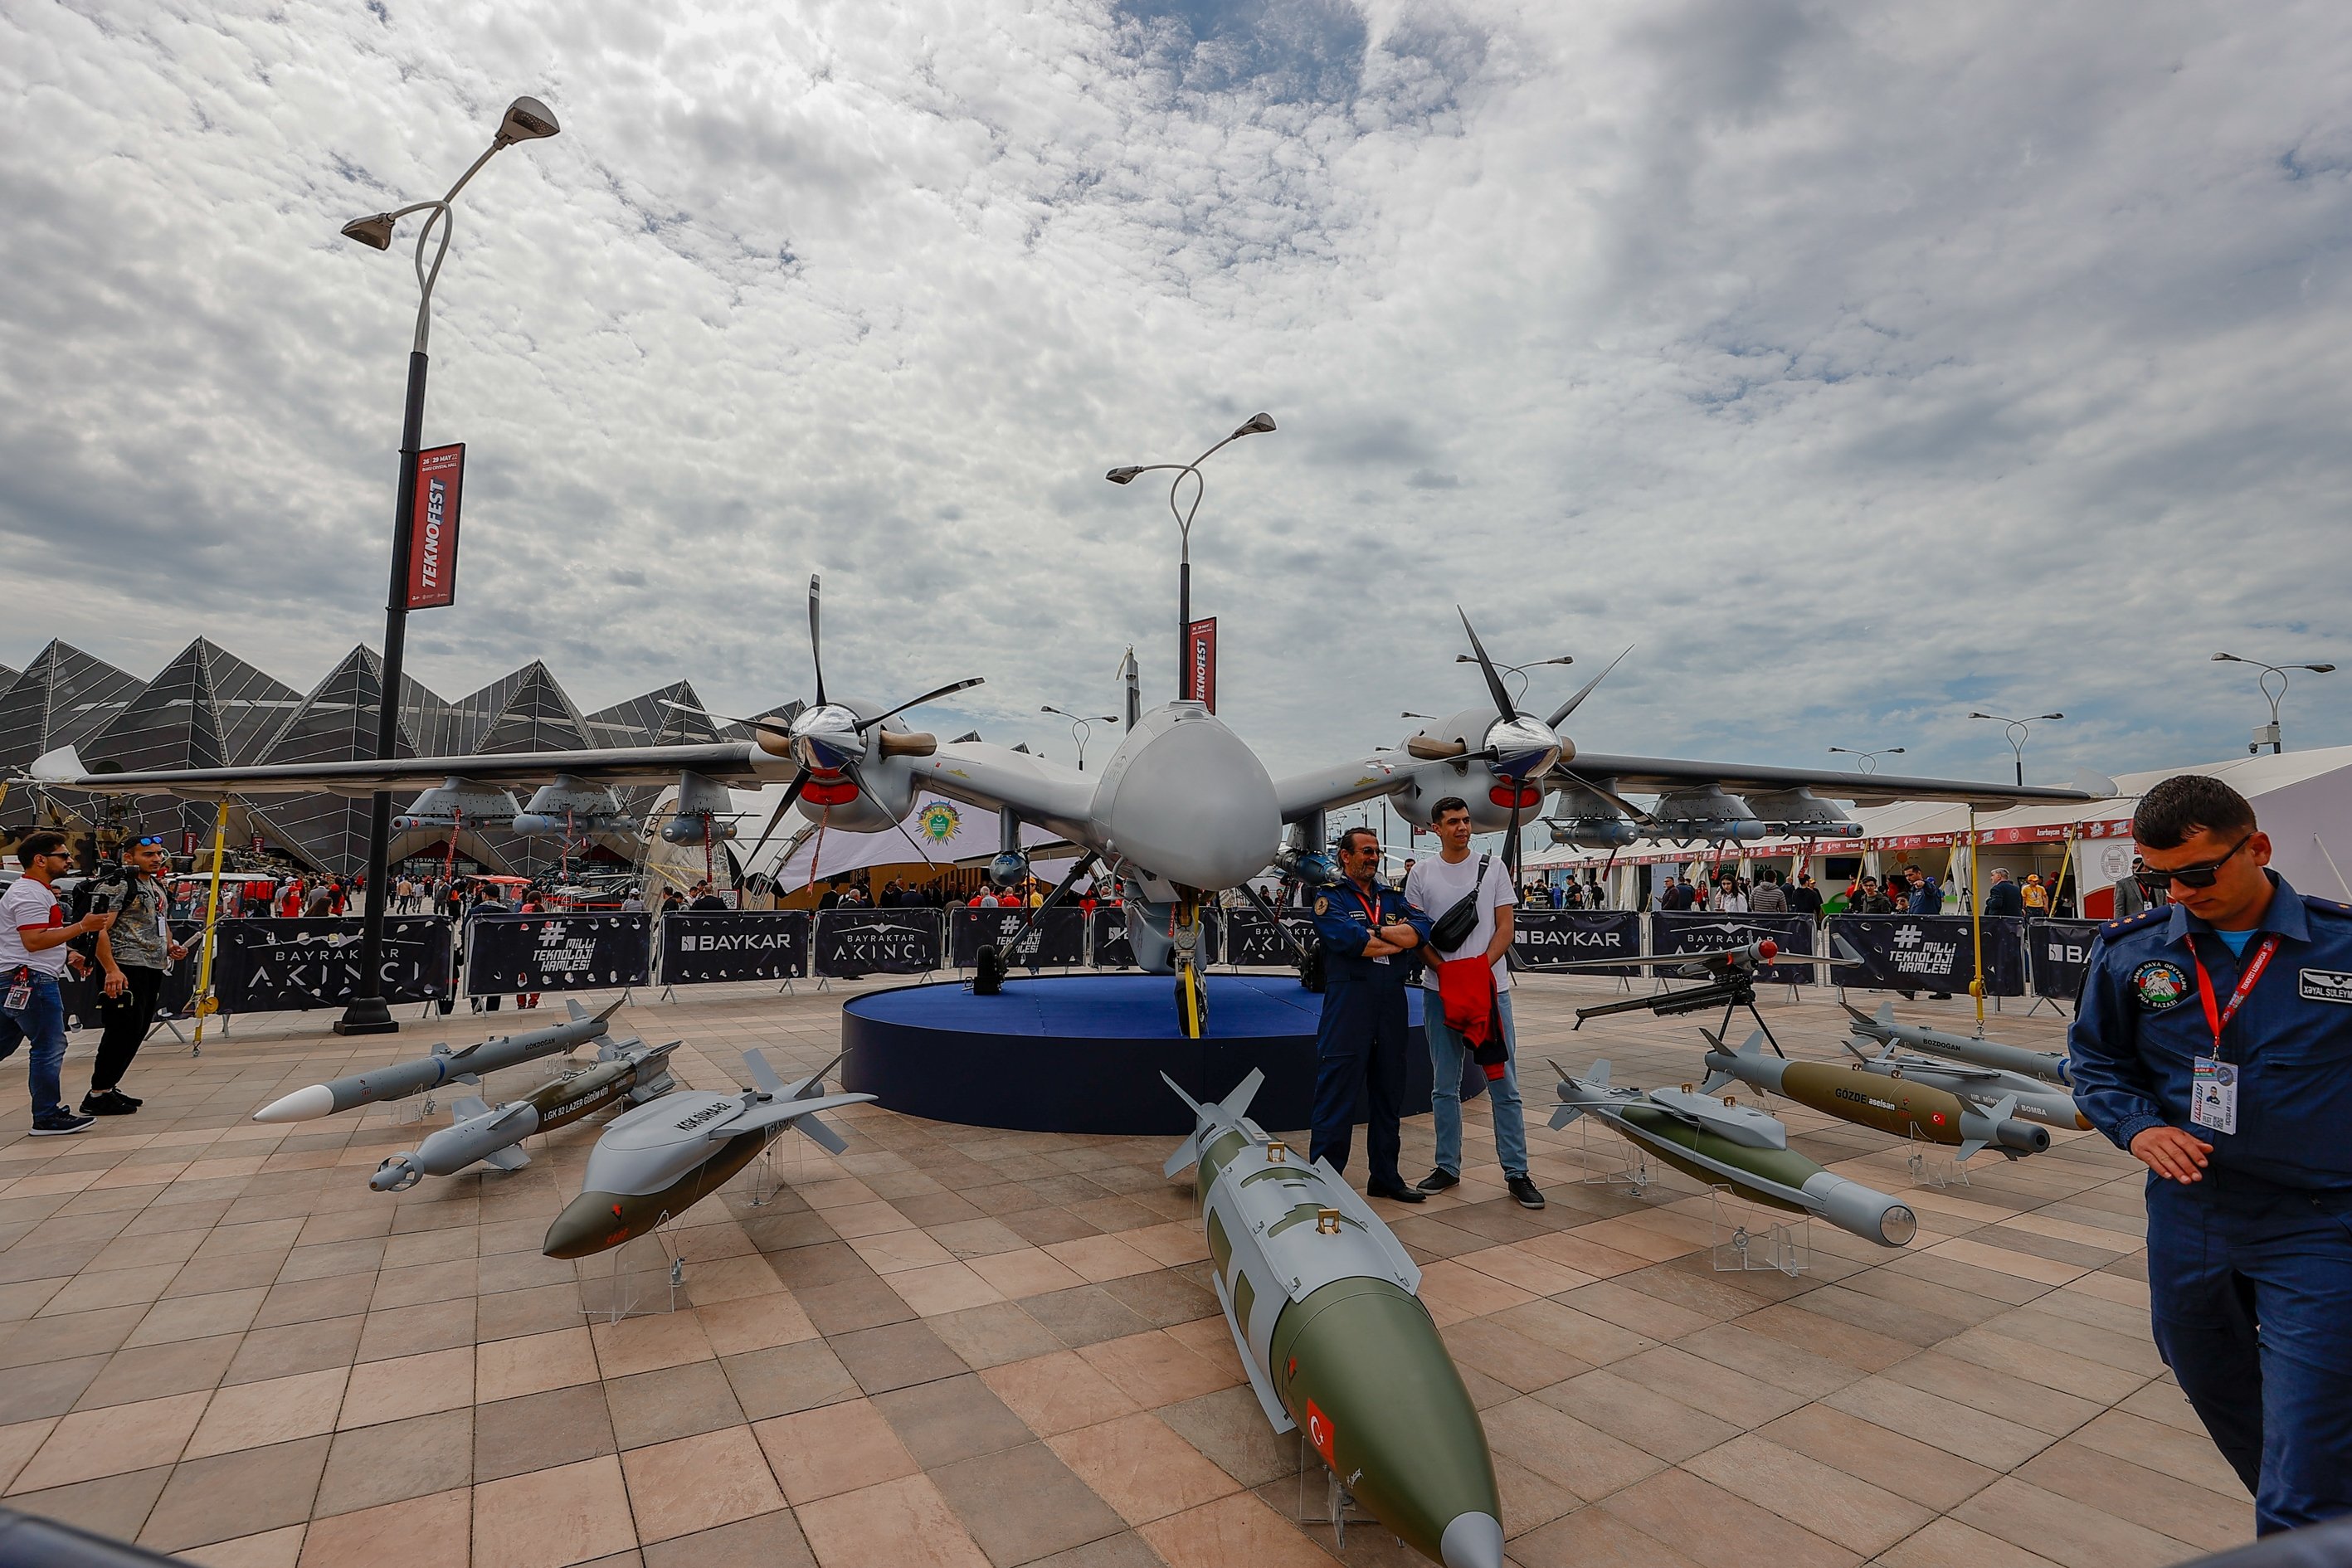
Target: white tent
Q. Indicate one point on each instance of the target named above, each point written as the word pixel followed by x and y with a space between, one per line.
pixel 2302 800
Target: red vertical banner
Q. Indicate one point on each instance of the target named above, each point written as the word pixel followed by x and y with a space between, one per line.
pixel 1201 650
pixel 433 530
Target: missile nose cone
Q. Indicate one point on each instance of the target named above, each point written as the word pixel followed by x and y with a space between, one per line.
pixel 302 1105
pixel 588 1223
pixel 1473 1541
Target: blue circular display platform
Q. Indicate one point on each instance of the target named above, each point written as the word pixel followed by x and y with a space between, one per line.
pixel 1084 1053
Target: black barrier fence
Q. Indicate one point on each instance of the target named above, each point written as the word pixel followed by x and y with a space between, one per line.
pixel 849 943
pixel 1932 952
pixel 2058 955
pixel 1253 942
pixel 1110 947
pixel 80 993
pixel 1545 939
pixel 1056 939
pixel 511 955
pixel 703 947
pixel 1713 933
pixel 285 965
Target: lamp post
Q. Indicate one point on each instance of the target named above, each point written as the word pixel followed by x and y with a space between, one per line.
pixel 1866 761
pixel 1255 424
pixel 526 119
pixel 2268 735
pixel 2018 729
pixel 1080 728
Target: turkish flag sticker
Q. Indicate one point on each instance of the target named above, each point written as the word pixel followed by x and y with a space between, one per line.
pixel 1320 1432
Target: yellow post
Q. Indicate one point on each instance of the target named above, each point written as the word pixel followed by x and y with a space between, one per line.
pixel 1976 925
pixel 207 1003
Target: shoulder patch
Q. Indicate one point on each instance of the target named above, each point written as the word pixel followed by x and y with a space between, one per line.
pixel 1322 905
pixel 2160 985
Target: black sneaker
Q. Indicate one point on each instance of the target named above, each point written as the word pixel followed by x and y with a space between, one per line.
pixel 1437 1181
pixel 1399 1193
pixel 1526 1191
pixel 58 1123
pixel 132 1101
pixel 108 1102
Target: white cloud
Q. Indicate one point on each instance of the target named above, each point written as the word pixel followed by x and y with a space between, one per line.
pixel 1863 365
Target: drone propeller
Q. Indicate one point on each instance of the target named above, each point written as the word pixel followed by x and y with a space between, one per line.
pixel 947 690
pixel 1584 691
pixel 791 797
pixel 1503 708
pixel 816 652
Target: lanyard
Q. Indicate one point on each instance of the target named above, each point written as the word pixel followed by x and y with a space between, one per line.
pixel 1372 905
pixel 2218 1018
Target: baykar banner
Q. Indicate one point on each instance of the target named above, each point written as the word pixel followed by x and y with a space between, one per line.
pixel 703 946
pixel 509 955
pixel 2059 955
pixel 1713 933
pixel 851 942
pixel 280 965
pixel 1253 942
pixel 1544 939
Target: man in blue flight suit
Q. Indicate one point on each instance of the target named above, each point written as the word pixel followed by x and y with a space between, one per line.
pixel 1366 929
pixel 2214 1041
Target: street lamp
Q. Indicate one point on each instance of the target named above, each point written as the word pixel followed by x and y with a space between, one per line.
pixel 1520 669
pixel 1867 761
pixel 1255 424
pixel 526 119
pixel 1079 728
pixel 2017 731
pixel 2268 735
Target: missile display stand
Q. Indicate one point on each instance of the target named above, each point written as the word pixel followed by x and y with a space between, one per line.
pixel 1930 1167
pixel 644 1276
pixel 1339 1509
pixel 1748 1239
pixel 1610 1160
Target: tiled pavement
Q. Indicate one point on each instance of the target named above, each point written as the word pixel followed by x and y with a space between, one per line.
pixel 958 1346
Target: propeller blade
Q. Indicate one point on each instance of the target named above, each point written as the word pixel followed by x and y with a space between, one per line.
pixel 816 653
pixel 950 691
pixel 1584 691
pixel 1611 795
pixel 771 723
pixel 1494 687
pixel 800 783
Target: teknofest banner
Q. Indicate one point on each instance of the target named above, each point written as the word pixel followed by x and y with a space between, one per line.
pixel 514 953
pixel 1057 940
pixel 1930 952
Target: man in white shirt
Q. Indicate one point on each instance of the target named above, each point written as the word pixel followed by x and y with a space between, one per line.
pixel 1435 886
pixel 33 958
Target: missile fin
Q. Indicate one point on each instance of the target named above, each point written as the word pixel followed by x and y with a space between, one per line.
pixel 1275 1415
pixel 465 1107
pixel 1599 1077
pixel 511 1158
pixel 1188 1151
pixel 1563 1114
pixel 1237 1102
pixel 1886 1019
pixel 755 1062
pixel 821 1132
pixel 1716 1079
pixel 467 1077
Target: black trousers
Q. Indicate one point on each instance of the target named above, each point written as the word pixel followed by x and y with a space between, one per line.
pixel 128 1017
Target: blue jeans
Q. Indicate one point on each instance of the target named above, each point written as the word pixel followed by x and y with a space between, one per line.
pixel 2251 1288
pixel 42 1021
pixel 1445 1054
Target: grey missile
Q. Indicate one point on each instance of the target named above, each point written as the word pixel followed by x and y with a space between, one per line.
pixel 2036 1100
pixel 421 1075
pixel 1736 1146
pixel 627 1070
pixel 1319 1295
pixel 1893 1104
pixel 2047 1066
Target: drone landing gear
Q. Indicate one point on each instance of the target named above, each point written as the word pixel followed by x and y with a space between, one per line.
pixel 1192 984
pixel 988 971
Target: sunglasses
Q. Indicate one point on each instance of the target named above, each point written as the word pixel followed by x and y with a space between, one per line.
pixel 2155 881
pixel 141 842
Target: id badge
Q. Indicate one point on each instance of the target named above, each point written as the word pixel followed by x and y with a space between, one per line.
pixel 19 994
pixel 2213 1096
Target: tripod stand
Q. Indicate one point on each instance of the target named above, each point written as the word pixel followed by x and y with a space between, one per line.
pixel 1735 991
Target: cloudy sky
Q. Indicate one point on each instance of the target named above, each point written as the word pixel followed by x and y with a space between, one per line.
pixel 1863 363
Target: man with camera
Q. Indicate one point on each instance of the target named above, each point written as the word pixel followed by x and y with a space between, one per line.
pixel 135 952
pixel 34 957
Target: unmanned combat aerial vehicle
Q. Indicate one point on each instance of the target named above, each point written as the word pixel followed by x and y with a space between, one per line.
pixel 627 1070
pixel 1319 1297
pixel 421 1075
pixel 1182 810
pixel 1891 1103
pixel 657 1162
pixel 1724 1143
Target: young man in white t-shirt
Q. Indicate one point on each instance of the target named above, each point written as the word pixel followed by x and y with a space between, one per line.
pixel 34 957
pixel 1435 886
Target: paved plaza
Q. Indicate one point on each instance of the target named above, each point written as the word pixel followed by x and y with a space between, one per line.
pixel 959 1346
